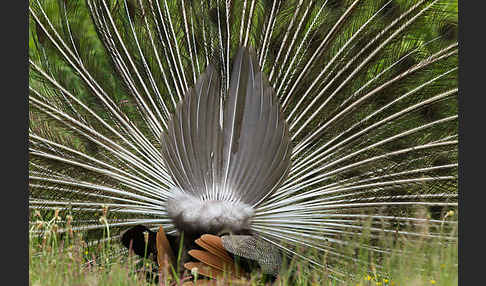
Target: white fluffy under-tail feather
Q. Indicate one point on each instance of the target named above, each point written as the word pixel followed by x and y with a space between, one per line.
pixel 197 216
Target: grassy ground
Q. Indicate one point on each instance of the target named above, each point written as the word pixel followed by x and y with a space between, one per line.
pixel 67 260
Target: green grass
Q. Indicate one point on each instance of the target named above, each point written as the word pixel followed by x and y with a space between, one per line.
pixel 66 259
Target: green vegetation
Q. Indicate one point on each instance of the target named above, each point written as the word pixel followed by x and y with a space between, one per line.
pixel 65 259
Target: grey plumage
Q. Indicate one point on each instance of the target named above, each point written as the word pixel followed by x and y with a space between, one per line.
pixel 251 247
pixel 239 163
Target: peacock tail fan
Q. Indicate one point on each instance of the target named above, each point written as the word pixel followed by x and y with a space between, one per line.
pixel 291 121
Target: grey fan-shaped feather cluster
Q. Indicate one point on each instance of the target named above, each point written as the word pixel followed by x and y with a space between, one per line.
pixel 226 169
pixel 285 123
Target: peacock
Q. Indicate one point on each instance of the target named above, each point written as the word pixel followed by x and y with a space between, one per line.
pixel 246 129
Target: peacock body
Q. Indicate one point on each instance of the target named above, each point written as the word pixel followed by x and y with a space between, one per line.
pixel 279 124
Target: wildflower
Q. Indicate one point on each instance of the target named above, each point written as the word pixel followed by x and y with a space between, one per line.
pixel 146 236
pixel 449 213
pixel 69 219
pixel 368 278
pixel 105 210
pixel 56 215
pixel 432 281
pixel 39 224
pixel 385 280
pixel 194 272
pixel 103 220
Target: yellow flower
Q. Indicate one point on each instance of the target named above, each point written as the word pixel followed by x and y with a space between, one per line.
pixel 385 280
pixel 368 278
pixel 432 281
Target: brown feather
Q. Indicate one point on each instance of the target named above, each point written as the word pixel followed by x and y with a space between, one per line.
pixel 220 252
pixel 163 249
pixel 212 260
pixel 210 272
pixel 201 283
pixel 213 240
pixel 204 269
